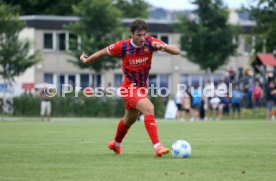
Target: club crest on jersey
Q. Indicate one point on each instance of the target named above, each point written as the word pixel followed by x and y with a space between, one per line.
pixel 146 48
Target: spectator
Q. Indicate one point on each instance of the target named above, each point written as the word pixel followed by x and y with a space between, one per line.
pixel 225 102
pixel 257 95
pixel 1 105
pixel 221 92
pixel 232 74
pixel 186 105
pixel 221 88
pixel 179 98
pixel 196 102
pixel 236 102
pixel 214 108
pixel 45 104
pixel 270 96
pixel 248 91
pixel 209 92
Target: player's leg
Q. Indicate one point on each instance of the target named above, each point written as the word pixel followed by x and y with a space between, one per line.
pixel 239 110
pixel 124 124
pixel 129 118
pixel 182 114
pixel 270 105
pixel 48 110
pixel 147 108
pixel 178 114
pixel 220 112
pixel 42 110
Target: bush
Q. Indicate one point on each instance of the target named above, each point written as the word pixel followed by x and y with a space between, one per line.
pixel 253 114
pixel 71 106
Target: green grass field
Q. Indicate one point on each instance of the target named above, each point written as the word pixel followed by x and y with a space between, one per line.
pixel 32 150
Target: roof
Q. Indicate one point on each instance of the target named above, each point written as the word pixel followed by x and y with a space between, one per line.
pixel 48 22
pixel 155 26
pixel 266 59
pixel 58 22
pixel 48 17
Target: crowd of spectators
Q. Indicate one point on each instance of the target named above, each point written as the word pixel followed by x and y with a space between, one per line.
pixel 225 98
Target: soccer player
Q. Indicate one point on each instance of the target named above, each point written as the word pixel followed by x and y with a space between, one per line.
pixel 136 54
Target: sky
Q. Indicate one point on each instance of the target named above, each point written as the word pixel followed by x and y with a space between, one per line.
pixel 185 4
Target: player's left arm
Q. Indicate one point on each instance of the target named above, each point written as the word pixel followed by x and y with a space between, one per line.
pixel 171 49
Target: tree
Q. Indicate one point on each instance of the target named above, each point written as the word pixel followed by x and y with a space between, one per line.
pixel 15 56
pixel 264 13
pixel 129 8
pixel 133 8
pixel 46 7
pixel 208 40
pixel 99 26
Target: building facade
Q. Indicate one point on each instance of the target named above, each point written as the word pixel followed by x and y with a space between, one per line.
pixel 48 35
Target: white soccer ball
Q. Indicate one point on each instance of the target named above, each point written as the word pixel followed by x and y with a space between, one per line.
pixel 181 149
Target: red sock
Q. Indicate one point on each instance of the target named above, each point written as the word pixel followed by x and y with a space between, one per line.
pixel 151 128
pixel 121 131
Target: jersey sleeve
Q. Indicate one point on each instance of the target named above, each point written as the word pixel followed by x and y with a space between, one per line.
pixel 152 39
pixel 115 49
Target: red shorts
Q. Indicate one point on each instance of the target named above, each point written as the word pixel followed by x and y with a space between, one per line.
pixel 132 95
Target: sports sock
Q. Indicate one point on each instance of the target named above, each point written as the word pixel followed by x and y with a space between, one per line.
pixel 151 128
pixel 156 145
pixel 118 144
pixel 121 132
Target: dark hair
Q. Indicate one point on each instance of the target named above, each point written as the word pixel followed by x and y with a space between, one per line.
pixel 138 24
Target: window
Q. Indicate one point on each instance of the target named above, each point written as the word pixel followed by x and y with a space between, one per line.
pixel 73 41
pixel 163 83
pixel 152 83
pixel 194 79
pixel 158 81
pixel 61 79
pixel 217 78
pixel 48 41
pixel 97 80
pixel 184 79
pixel 48 78
pixel 84 80
pixel 61 82
pixel 118 80
pixel 247 47
pixel 61 41
pixel 165 39
pixel 154 35
pixel 72 80
pixel 153 80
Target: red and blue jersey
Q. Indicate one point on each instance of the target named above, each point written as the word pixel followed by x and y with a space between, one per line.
pixel 136 61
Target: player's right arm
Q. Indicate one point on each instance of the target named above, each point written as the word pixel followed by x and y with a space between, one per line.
pixel 95 56
pixel 112 50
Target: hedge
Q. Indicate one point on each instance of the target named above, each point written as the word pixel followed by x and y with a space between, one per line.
pixel 80 106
